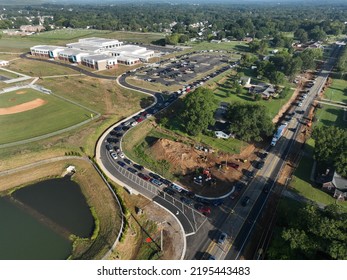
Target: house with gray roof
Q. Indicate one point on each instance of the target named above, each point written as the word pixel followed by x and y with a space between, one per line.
pixel 336 185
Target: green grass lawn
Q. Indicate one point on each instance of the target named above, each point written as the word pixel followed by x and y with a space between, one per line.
pixel 330 115
pixel 273 105
pixel 302 184
pixel 237 46
pixel 337 91
pixel 56 114
pixel 8 74
pixel 39 68
pixel 63 36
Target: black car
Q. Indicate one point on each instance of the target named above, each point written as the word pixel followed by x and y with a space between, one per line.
pixel 165 181
pixel 138 167
pixel 263 155
pixel 155 176
pixel 125 128
pixel 121 163
pixel 190 194
pixel 245 201
pixel 118 128
pixel 259 165
pixel 249 174
pixel 119 134
pixel 169 191
pixel 186 201
pixel 132 170
pixel 128 161
pixel 112 140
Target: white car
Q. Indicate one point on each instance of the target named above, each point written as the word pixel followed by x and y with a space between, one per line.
pixel 300 104
pixel 177 188
pixel 134 123
pixel 114 155
pixel 121 155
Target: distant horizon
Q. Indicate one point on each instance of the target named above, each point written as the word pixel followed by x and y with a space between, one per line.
pixel 109 2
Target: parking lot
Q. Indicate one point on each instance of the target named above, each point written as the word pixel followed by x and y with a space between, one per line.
pixel 182 69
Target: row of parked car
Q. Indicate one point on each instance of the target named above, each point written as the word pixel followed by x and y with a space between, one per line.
pixel 186 197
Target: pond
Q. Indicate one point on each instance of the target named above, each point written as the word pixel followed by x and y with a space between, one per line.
pixel 37 220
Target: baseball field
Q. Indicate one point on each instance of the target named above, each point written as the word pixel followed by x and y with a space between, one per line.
pixel 28 113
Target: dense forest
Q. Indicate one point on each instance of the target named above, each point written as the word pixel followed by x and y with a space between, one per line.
pixel 208 21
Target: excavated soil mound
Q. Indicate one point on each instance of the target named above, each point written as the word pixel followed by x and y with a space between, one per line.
pixel 185 160
pixel 22 107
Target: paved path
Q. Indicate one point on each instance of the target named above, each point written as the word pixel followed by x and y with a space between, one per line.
pixel 333 104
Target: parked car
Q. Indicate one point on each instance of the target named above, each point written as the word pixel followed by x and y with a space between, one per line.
pixel 176 188
pixel 165 181
pixel 222 237
pixel 300 104
pixel 109 148
pixel 169 191
pixel 245 201
pixel 144 176
pixel 186 201
pixel 121 155
pixel 260 164
pixel 156 182
pixel 114 155
pixel 121 163
pixel 128 161
pixel 138 167
pixel 203 209
pixel 155 176
pixel 263 155
pixel 132 170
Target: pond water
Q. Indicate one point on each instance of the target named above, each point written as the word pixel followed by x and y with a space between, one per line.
pixel 36 221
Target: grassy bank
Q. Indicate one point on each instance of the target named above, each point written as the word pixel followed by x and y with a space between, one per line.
pixel 98 197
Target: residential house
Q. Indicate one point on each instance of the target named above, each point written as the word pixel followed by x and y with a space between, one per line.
pixel 334 184
pixel 245 81
pixel 265 90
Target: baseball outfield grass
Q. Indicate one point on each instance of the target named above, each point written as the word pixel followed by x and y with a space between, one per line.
pixel 55 114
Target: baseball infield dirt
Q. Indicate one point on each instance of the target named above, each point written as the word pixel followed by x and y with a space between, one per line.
pixel 22 107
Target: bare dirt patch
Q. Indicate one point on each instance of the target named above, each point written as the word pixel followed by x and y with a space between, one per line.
pixel 188 163
pixel 22 107
pixel 21 92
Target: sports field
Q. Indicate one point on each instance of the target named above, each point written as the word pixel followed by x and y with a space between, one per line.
pixel 27 113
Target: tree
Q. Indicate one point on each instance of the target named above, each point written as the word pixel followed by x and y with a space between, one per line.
pixel 301 35
pixel 249 121
pixel 309 56
pixel 317 34
pixel 341 163
pixel 183 38
pixel 172 39
pixel 277 77
pixel 318 234
pixel 330 143
pixel 198 113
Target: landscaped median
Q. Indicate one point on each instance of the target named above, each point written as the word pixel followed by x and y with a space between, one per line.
pixel 104 208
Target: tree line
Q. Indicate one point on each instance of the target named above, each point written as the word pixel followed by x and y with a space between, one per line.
pixel 215 21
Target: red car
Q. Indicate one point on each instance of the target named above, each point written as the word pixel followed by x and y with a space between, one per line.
pixel 144 176
pixel 203 209
pixel 140 119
